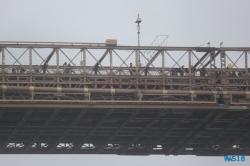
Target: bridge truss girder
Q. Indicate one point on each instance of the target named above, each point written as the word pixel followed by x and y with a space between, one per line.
pixel 149 131
pixel 108 106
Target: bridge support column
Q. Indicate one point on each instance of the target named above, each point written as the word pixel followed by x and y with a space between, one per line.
pixel 3 66
pixel 212 73
pixel 246 70
pixel 84 64
pixel 57 67
pixel 212 59
pixel 189 68
pixel 163 69
pixel 57 60
pixel 111 71
pixel 223 68
pixel 137 66
pixel 3 96
pixel 30 63
pixel 223 59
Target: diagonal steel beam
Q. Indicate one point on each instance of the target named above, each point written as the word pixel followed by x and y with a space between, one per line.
pixel 93 131
pixel 197 127
pixel 2 112
pixel 151 60
pixel 142 132
pixel 71 60
pixel 201 59
pixel 97 62
pixel 118 130
pixel 244 114
pixel 100 60
pixel 239 139
pixel 37 136
pixel 15 131
pixel 48 59
pixel 50 55
pixel 217 53
pixel 170 130
pixel 194 133
pixel 67 131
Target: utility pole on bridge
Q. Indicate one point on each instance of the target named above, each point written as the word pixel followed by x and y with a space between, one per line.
pixel 138 61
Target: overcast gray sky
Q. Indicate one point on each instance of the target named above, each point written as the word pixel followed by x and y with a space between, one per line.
pixel 187 22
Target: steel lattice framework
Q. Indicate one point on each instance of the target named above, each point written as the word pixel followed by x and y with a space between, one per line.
pixel 107 105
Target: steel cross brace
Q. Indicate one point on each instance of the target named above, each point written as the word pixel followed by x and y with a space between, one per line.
pixel 45 65
pixel 171 129
pixel 151 61
pixel 16 60
pixel 124 62
pixel 195 133
pixel 97 62
pixel 216 54
pixel 197 127
pixel 93 131
pixel 142 132
pixel 71 60
pixel 100 60
pixel 244 114
pixel 234 62
pixel 16 130
pixel 201 62
pixel 118 130
pixel 238 139
pixel 67 131
pixel 201 59
pixel 48 59
pixel 2 112
pixel 41 131
pixel 176 62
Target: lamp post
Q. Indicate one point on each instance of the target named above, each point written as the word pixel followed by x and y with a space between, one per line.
pixel 138 21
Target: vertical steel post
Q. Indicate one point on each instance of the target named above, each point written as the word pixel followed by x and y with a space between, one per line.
pixel 84 60
pixel 246 70
pixel 30 64
pixel 190 73
pixel 163 69
pixel 3 72
pixel 111 67
pixel 30 59
pixel 57 60
pixel 3 60
pixel 223 66
pixel 137 70
pixel 223 60
pixel 111 71
pixel 57 66
pixel 111 61
pixel 212 59
pixel 84 64
pixel 136 61
pixel 212 66
pixel 3 65
pixel 189 68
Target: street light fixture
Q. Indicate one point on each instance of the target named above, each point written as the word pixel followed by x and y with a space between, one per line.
pixel 138 21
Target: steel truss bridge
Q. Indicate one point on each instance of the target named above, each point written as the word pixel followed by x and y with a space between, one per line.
pixel 124 100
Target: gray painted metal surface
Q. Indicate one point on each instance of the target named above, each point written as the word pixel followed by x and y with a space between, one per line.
pixel 106 106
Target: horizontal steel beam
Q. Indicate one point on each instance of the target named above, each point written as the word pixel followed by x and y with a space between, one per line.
pixel 181 106
pixel 103 46
pixel 120 91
